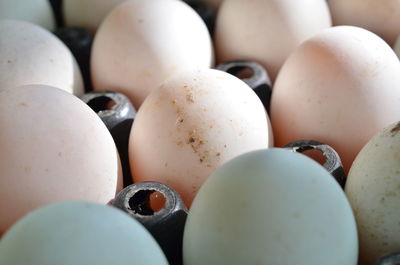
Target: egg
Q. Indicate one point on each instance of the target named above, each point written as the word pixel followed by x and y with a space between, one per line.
pixel 270 206
pixel 35 11
pixel 267 31
pixel 70 233
pixel 380 17
pixel 53 148
pixel 87 13
pixel 139 45
pixel 193 123
pixel 30 54
pixel 340 87
pixel 373 189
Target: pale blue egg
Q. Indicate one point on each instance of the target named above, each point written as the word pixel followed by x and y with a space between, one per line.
pixel 35 11
pixel 79 233
pixel 270 207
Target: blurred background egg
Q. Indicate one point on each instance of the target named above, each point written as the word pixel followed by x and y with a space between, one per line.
pixel 340 87
pixel 71 233
pixel 35 11
pixel 380 17
pixel 270 207
pixel 192 124
pixel 141 43
pixel 267 31
pixel 87 13
pixel 373 189
pixel 30 54
pixel 53 148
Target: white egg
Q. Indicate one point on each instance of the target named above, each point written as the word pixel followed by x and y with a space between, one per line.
pixel 267 31
pixel 53 148
pixel 35 11
pixel 71 233
pixel 191 125
pixel 141 43
pixel 373 189
pixel 270 207
pixel 30 54
pixel 87 13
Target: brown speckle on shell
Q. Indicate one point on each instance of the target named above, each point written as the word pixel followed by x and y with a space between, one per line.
pixel 395 129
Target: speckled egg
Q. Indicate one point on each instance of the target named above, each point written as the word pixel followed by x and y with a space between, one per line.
pixel 373 189
pixel 192 124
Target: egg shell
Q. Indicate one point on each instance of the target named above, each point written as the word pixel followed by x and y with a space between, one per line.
pixel 267 31
pixel 87 14
pixel 270 206
pixel 380 17
pixel 70 233
pixel 53 148
pixel 192 124
pixel 29 54
pixel 35 11
pixel 139 45
pixel 373 189
pixel 340 88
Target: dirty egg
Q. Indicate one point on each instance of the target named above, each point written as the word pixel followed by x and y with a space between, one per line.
pixel 373 189
pixel 192 124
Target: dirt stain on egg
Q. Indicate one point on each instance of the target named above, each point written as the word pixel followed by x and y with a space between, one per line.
pixel 395 129
pixel 189 94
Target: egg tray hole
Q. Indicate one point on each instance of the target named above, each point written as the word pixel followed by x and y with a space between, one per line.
pixel 241 72
pixel 101 103
pixel 316 155
pixel 147 202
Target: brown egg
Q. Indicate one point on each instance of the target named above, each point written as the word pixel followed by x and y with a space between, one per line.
pixel 340 88
pixel 53 148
